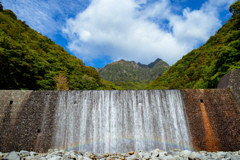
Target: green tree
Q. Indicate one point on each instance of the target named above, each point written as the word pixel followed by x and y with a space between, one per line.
pixel 10 13
pixel 235 8
pixel 1 7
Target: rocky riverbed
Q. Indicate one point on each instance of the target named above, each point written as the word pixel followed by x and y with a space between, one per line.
pixel 54 154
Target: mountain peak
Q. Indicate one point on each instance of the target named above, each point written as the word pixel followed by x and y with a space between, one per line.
pixel 130 71
pixel 151 65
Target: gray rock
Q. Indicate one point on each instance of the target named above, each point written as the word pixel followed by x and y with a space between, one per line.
pixel 132 157
pixel 218 155
pixel 155 153
pixel 33 153
pixel 13 156
pixel 178 158
pixel 66 157
pixel 63 152
pixel 235 157
pixel 50 150
pixel 28 157
pixel 81 153
pixel 24 153
pixel 49 156
pixel 185 153
pixel 59 154
pixel 74 157
pixel 227 155
pixel 106 154
pixel 140 154
pixel 221 153
pixel 194 156
pixel 37 158
pixel 202 151
pixel 203 156
pixel 117 154
pixel 55 157
pixel 146 155
pixel 80 157
pixel 169 157
pixel 125 155
pixel 162 153
pixel 86 158
pixel 229 158
pixel 89 155
pixel 172 153
pixel 99 156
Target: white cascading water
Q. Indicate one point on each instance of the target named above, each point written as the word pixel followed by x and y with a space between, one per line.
pixel 121 121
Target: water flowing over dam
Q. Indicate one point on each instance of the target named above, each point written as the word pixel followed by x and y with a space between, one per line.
pixel 120 121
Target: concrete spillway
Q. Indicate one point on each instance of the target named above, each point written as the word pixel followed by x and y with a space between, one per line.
pixel 119 121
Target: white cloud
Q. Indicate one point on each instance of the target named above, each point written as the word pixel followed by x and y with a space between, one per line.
pixel 124 29
pixel 45 16
pixel 194 27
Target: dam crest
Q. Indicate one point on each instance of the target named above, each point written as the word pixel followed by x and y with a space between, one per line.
pixel 119 121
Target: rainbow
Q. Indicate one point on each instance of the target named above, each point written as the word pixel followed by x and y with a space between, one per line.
pixel 160 142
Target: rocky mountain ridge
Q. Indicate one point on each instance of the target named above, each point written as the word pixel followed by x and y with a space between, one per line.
pixel 132 75
pixel 130 71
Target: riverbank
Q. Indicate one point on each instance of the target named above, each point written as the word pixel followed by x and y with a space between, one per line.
pixel 54 154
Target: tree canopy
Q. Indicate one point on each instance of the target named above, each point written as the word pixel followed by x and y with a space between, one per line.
pixel 30 60
pixel 1 7
pixel 235 8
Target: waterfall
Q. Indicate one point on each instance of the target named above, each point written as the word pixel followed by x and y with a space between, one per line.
pixel 120 121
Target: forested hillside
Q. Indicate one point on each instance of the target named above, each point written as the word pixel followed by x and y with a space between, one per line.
pixel 32 61
pixel 203 67
pixel 132 75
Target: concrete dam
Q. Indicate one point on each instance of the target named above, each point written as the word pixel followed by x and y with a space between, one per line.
pixel 120 121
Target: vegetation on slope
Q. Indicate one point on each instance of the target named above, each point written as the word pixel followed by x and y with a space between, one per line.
pixel 132 75
pixel 203 67
pixel 32 61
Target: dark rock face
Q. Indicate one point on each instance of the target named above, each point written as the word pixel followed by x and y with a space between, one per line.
pixel 232 80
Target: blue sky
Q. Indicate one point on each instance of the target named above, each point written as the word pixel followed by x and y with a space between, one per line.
pixel 102 31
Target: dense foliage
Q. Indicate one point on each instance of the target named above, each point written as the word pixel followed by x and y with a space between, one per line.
pixel 32 61
pixel 235 8
pixel 132 85
pixel 132 75
pixel 203 67
pixel 1 7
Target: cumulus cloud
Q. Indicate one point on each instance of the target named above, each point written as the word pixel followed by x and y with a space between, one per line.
pixel 140 30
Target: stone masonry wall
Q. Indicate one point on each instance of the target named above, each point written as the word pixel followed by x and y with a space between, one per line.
pixel 218 129
pixel 231 80
pixel 22 115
